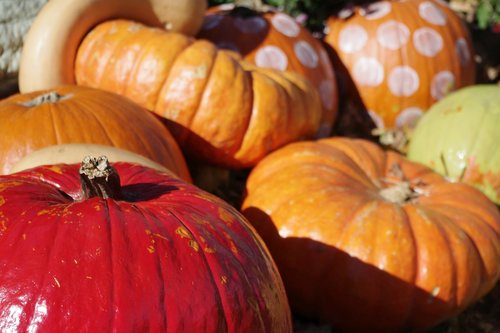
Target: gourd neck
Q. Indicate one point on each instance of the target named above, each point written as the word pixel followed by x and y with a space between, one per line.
pixel 99 179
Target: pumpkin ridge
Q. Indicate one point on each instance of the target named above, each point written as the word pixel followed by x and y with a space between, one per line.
pixel 207 262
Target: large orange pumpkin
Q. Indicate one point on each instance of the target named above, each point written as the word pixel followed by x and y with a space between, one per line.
pixel 73 114
pixel 219 108
pixel 402 56
pixel 272 39
pixel 369 241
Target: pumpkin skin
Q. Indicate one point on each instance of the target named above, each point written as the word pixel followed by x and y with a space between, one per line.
pixel 166 257
pixel 50 45
pixel 459 136
pixel 272 39
pixel 220 109
pixel 401 57
pixel 73 114
pixel 348 248
pixel 74 152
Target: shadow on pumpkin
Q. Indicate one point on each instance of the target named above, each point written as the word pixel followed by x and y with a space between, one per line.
pixel 237 33
pixel 327 285
pixel 145 191
pixel 353 119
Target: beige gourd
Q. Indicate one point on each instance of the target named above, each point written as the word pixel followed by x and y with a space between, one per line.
pixel 51 43
pixel 75 152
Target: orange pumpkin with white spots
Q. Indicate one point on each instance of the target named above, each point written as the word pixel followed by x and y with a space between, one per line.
pixel 272 39
pixel 402 56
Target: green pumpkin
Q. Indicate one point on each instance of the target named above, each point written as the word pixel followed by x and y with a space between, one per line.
pixel 459 137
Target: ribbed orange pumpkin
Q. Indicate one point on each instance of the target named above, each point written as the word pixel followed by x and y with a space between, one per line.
pixel 402 56
pixel 272 39
pixel 220 109
pixel 369 241
pixel 73 114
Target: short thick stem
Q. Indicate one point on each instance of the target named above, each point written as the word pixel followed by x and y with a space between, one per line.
pixel 50 97
pixel 99 179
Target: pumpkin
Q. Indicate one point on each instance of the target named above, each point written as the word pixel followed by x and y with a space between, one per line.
pixel 369 241
pixel 74 152
pixel 219 109
pixel 270 38
pixel 459 137
pixel 51 42
pixel 73 114
pixel 125 248
pixel 401 56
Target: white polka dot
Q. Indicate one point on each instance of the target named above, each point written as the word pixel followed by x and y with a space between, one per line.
pixel 226 6
pixel 228 46
pixel 326 92
pixel 271 57
pixel 376 10
pixel 442 83
pixel 428 42
pixel 211 21
pixel 251 25
pixel 352 38
pixel 346 12
pixel 431 13
pixel 403 81
pixel 368 72
pixel 306 54
pixel 463 51
pixel 379 122
pixel 409 117
pixel 393 34
pixel 285 24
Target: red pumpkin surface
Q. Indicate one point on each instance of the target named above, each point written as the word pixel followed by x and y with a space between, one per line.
pixel 157 255
pixel 401 56
pixel 272 39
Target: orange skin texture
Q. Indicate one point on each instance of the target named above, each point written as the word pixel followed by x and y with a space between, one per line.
pixel 346 252
pixel 218 107
pixel 225 33
pixel 84 115
pixel 379 98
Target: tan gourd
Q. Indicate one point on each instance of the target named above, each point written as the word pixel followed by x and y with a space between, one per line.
pixel 52 40
pixel 74 152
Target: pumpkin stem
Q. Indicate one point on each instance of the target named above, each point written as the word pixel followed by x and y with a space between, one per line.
pixel 253 5
pixel 402 190
pixel 99 179
pixel 50 97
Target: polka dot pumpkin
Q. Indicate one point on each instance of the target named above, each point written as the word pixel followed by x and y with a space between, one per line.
pixel 275 40
pixel 402 56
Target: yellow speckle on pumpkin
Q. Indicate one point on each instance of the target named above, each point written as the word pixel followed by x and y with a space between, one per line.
pixel 194 245
pixel 56 169
pixel 225 216
pixel 223 279
pixel 75 261
pixel 183 232
pixel 160 236
pixel 209 250
pixel 88 277
pixel 2 200
pixel 151 249
pixel 57 282
pixel 24 236
pixel 97 207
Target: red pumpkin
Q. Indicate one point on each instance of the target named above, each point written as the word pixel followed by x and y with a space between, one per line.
pixel 129 250
pixel 272 39
pixel 401 56
pixel 369 241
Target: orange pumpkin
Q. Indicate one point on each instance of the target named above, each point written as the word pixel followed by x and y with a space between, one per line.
pixel 369 241
pixel 73 114
pixel 402 56
pixel 272 39
pixel 220 109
